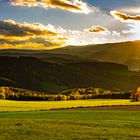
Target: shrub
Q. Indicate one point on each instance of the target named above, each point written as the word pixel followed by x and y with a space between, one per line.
pixel 64 98
pixel 135 96
pixel 2 96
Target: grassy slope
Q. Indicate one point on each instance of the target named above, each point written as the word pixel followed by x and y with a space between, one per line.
pixel 70 125
pixel 126 53
pixel 6 105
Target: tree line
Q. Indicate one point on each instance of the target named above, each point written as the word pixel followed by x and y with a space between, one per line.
pixel 72 94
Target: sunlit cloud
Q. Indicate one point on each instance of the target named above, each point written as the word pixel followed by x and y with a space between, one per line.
pixel 96 29
pixel 130 9
pixel 77 6
pixel 84 37
pixel 133 31
pixel 11 28
pixel 32 35
pixel 124 17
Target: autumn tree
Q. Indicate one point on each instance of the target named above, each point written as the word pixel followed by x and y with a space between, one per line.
pixel 135 96
pixel 2 96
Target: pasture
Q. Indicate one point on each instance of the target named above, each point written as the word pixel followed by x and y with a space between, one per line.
pixel 70 125
pixel 8 105
pixel 20 120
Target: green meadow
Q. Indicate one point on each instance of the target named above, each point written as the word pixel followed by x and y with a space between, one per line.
pixel 30 120
pixel 70 125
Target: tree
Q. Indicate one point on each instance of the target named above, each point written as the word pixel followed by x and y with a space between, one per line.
pixel 135 96
pixel 64 98
pixel 2 96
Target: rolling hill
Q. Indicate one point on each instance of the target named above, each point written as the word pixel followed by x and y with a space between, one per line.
pixel 49 76
pixel 127 53
pixel 104 66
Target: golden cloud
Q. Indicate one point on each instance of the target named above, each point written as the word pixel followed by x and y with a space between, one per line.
pixel 124 17
pixel 27 35
pixel 96 29
pixel 11 28
pixel 27 46
pixel 70 5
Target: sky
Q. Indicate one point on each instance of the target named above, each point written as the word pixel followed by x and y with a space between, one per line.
pixel 48 24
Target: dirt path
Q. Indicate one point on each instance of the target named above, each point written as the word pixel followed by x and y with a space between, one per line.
pixel 115 107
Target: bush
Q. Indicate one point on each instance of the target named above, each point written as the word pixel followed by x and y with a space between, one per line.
pixel 135 96
pixel 2 96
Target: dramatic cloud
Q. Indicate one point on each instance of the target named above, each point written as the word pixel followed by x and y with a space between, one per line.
pixel 124 17
pixel 132 28
pixel 96 29
pixel 11 28
pixel 34 35
pixel 83 37
pixel 71 5
pixel 38 36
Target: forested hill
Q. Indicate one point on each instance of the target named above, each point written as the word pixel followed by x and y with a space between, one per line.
pixel 49 76
pixel 126 53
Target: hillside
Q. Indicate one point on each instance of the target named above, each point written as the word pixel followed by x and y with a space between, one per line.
pixel 49 76
pixel 44 55
pixel 127 53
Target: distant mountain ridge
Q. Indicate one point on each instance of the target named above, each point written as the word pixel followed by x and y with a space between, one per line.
pixel 127 53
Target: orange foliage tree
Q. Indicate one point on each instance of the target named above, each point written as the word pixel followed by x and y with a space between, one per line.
pixel 135 96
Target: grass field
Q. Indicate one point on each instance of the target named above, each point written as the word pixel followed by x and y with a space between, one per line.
pixel 7 105
pixel 70 125
pixel 29 124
